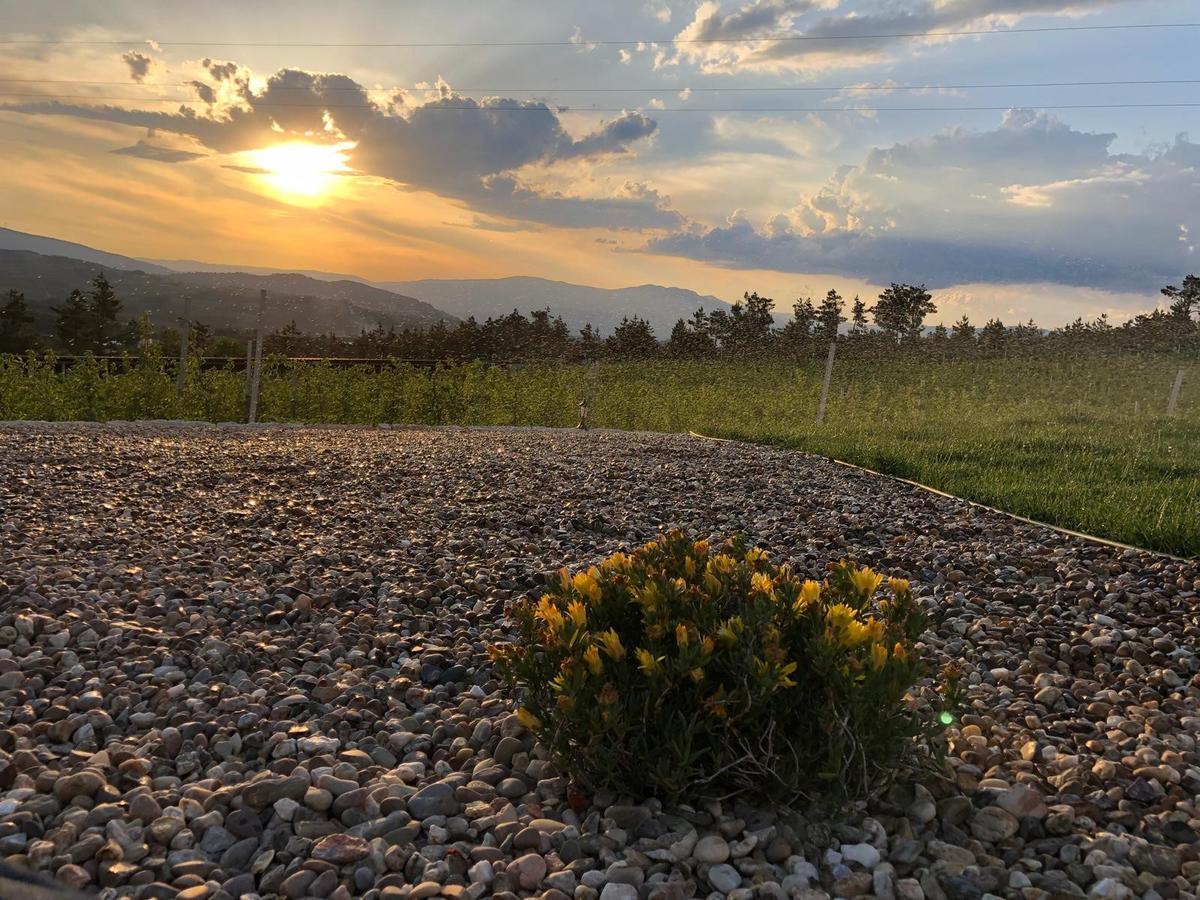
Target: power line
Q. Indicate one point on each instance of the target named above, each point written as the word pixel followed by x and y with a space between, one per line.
pixel 786 36
pixel 654 110
pixel 865 88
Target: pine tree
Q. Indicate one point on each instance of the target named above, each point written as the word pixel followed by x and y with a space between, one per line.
pixel 829 315
pixel 15 337
pixel 858 317
pixel 633 338
pixel 964 330
pixel 1183 299
pixel 901 310
pixel 73 324
pixel 104 306
pixel 992 335
pixel 589 341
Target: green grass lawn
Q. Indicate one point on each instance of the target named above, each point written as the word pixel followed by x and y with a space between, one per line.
pixel 1084 444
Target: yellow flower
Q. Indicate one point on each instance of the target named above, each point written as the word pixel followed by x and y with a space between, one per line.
pixel 650 546
pixel 839 615
pixel 689 567
pixel 755 554
pixel 564 578
pixel 708 644
pixel 721 564
pixel 647 663
pixel 591 658
pixel 681 635
pixel 712 584
pixel 528 719
pixel 898 585
pixel 697 675
pixel 577 611
pixel 587 585
pixel 550 614
pixel 878 656
pixel 611 643
pixel 618 562
pixel 899 653
pixel 858 633
pixel 700 548
pixel 855 632
pixel 728 633
pixel 761 582
pixel 865 580
pixel 608 695
pixel 810 592
pixel 679 584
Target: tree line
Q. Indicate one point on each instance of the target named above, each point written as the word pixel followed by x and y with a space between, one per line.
pixel 90 322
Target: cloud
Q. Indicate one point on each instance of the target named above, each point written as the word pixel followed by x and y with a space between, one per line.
pixel 578 40
pixel 456 146
pixel 158 153
pixel 659 11
pixel 221 71
pixel 837 41
pixel 1031 200
pixel 614 136
pixel 204 91
pixel 139 64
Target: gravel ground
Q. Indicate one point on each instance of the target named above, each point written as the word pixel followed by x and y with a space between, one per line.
pixel 251 662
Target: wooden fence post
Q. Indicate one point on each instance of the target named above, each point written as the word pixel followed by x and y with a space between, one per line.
pixel 256 379
pixel 1175 388
pixel 184 335
pixel 825 383
pixel 249 372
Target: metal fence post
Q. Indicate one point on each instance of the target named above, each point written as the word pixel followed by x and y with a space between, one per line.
pixel 825 383
pixel 184 335
pixel 256 379
pixel 1175 388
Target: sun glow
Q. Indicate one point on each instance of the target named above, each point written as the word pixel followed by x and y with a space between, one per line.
pixel 301 170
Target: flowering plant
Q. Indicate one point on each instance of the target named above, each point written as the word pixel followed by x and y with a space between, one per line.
pixel 682 670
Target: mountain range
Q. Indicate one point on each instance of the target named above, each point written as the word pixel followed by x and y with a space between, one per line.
pixel 225 296
pixel 578 304
pixel 223 301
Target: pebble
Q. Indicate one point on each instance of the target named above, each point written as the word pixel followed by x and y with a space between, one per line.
pixel 724 878
pixel 711 849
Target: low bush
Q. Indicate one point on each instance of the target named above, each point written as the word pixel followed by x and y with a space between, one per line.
pixel 684 671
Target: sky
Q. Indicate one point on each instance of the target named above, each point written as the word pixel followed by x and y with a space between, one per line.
pixel 778 146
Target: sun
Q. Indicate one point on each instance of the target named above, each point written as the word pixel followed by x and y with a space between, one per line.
pixel 301 170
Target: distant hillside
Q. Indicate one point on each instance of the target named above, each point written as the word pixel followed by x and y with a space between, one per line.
pixel 224 301
pixel 193 265
pixel 18 240
pixel 219 286
pixel 578 304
